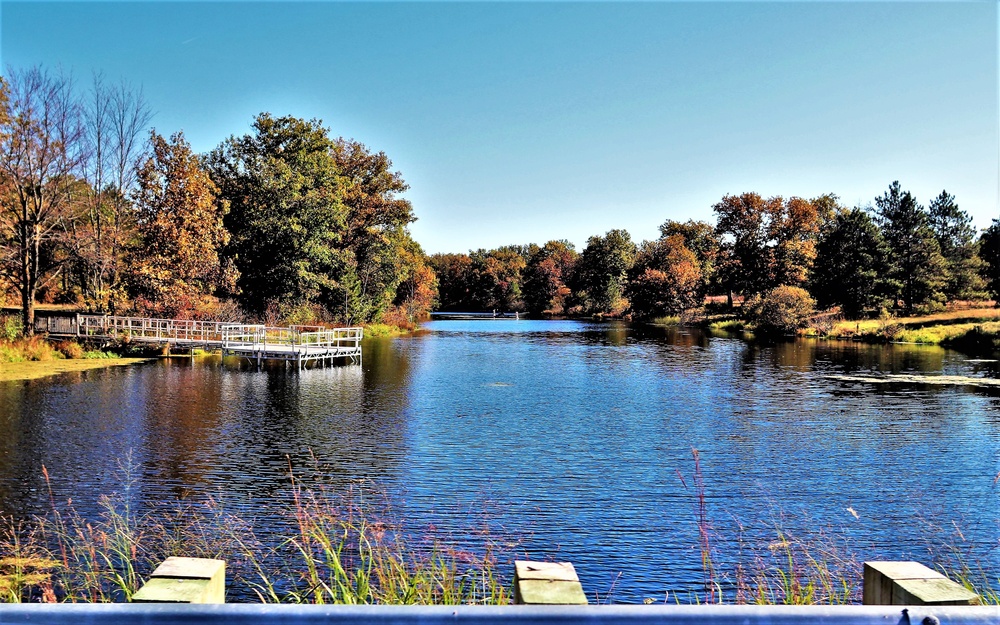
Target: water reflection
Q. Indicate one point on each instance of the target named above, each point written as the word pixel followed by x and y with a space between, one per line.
pixel 575 437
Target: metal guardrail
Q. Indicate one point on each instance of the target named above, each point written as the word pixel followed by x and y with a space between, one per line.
pixel 150 328
pixel 257 614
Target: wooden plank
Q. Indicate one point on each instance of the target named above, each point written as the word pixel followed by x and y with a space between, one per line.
pixel 911 583
pixel 547 583
pixel 185 580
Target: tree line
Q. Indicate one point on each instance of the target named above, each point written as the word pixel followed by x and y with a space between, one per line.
pixel 894 253
pixel 283 223
pixel 289 223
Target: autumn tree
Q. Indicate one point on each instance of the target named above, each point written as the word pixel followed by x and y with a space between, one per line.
pixel 175 260
pixel 41 149
pixel 851 268
pixel 742 226
pixel 765 243
pixel 699 237
pixel 417 292
pixel 666 278
pixel 115 119
pixel 602 272
pixel 915 256
pixel 287 218
pixel 545 276
pixel 952 228
pixel 495 279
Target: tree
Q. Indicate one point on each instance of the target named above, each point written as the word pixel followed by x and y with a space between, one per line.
pixel 989 251
pixel 115 119
pixel 700 238
pixel 765 243
pixel 955 235
pixel 287 219
pixel 665 279
pixel 376 235
pixel 175 260
pixel 783 309
pixel 495 279
pixel 544 285
pixel 794 231
pixel 41 149
pixel 851 265
pixel 453 274
pixel 602 271
pixel 418 290
pixel 915 256
pixel 742 227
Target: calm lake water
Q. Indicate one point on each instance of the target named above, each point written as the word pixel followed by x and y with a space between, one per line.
pixel 573 439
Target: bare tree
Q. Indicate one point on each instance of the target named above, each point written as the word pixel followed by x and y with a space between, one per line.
pixel 41 150
pixel 116 117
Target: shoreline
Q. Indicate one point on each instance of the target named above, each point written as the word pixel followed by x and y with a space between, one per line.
pixel 37 369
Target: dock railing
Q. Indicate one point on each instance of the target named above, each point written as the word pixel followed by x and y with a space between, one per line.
pixel 167 330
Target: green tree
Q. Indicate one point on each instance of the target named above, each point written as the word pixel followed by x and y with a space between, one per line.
pixel 743 228
pixel 453 274
pixel 915 256
pixel 955 235
pixel 602 272
pixel 287 218
pixel 989 251
pixel 665 279
pixel 377 238
pixel 175 260
pixel 544 284
pixel 851 265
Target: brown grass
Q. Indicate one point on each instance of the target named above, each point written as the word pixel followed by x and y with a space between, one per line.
pixel 32 370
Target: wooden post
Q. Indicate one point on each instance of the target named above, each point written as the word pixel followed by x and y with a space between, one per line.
pixel 911 583
pixel 547 583
pixel 185 580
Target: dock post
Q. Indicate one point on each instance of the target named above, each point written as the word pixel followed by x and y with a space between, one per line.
pixel 547 583
pixel 911 583
pixel 185 580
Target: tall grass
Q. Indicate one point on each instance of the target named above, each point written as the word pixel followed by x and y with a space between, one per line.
pixel 338 552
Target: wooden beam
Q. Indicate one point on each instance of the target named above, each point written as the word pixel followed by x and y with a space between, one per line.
pixel 185 580
pixel 911 583
pixel 547 583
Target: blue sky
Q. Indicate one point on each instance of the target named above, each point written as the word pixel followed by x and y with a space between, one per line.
pixel 525 122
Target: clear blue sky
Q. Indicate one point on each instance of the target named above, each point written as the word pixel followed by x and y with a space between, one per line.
pixel 523 122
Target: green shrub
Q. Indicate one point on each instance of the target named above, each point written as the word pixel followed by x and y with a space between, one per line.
pixel 783 309
pixel 11 327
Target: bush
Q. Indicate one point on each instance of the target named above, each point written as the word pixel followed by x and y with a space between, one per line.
pixel 11 327
pixel 783 309
pixel 70 349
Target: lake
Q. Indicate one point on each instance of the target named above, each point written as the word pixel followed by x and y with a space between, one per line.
pixel 569 440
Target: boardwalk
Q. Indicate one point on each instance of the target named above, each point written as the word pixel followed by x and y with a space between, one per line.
pixel 298 344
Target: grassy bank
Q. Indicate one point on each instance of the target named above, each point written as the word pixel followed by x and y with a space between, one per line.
pixel 35 357
pixel 978 327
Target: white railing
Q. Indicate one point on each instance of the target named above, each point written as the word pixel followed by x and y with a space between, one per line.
pixel 147 328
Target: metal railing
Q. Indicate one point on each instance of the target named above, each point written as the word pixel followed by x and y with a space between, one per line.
pixel 259 614
pixel 152 329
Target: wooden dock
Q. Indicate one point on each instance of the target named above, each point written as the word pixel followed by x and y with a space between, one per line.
pixel 255 342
